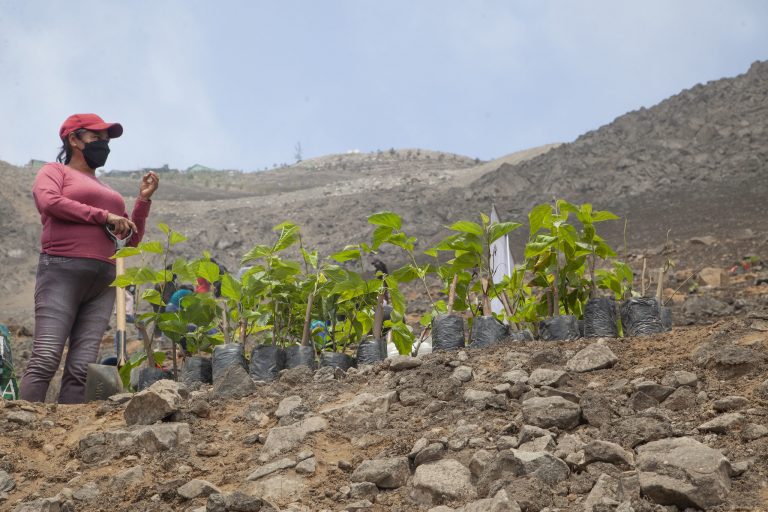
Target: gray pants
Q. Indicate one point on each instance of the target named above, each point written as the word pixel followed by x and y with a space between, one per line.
pixel 73 300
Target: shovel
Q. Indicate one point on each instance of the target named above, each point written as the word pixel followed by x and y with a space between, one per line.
pixel 103 380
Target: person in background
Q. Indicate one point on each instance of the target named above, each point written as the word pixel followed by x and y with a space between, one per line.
pixel 73 296
pixel 175 303
pixel 130 314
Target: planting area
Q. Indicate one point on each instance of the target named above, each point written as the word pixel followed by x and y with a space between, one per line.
pixel 668 421
pixel 679 418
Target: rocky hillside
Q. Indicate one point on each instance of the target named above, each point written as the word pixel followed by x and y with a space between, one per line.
pixel 665 423
pixel 708 135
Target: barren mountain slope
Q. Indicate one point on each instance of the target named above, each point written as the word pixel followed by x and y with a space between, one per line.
pixel 694 164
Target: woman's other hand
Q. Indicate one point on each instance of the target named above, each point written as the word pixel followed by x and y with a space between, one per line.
pixel 149 184
pixel 122 226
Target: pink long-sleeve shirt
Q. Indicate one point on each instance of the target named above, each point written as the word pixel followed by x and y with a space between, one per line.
pixel 73 208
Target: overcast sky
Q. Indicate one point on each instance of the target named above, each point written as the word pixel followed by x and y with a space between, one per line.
pixel 236 84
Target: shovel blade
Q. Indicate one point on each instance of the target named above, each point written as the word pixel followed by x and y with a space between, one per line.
pixel 102 382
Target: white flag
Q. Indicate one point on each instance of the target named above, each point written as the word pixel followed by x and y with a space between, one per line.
pixel 501 261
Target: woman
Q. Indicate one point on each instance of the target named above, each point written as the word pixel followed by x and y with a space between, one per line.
pixel 73 297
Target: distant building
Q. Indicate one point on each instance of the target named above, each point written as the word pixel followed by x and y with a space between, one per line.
pixel 199 168
pixel 35 164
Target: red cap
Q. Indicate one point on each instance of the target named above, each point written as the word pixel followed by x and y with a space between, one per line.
pixel 89 122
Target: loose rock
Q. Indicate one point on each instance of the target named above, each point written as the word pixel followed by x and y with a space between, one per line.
pixel 398 363
pixel 604 451
pixel 729 403
pixel 284 439
pixel 385 473
pixel 195 488
pixel 683 472
pixel 7 483
pixel 593 357
pixel 546 377
pixel 723 424
pixel 463 373
pixel 551 411
pixel 438 481
pixel 155 403
pixel 288 405
pixel 680 378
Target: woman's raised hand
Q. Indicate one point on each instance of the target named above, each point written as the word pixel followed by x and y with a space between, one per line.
pixel 149 184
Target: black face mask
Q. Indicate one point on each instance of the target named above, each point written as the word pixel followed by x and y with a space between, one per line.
pixel 96 153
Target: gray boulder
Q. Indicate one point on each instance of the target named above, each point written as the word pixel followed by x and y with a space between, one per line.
pixel 195 488
pixel 516 463
pixel 385 473
pixel 546 377
pixel 593 357
pixel 284 439
pixel 729 361
pixel 604 451
pixel 499 503
pixel 398 363
pixel 729 403
pixel 287 405
pixel 447 479
pixel 683 472
pixel 723 424
pixel 680 378
pixel 7 483
pixel 552 411
pixel 155 403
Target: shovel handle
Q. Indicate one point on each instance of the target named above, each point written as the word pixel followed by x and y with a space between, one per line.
pixel 120 313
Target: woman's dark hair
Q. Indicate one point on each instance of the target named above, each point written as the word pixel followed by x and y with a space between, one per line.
pixel 65 154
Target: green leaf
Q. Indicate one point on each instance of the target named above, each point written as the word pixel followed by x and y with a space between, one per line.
pixel 257 252
pixel 604 215
pixel 402 241
pixel 348 254
pixel 124 281
pixel 310 257
pixel 465 260
pixel 284 269
pixel 289 235
pixel 154 247
pixel 159 357
pixel 126 252
pixel 153 297
pixel 540 217
pixel 402 337
pixel 465 226
pixel 208 271
pixel 388 219
pixel 164 228
pixel 176 238
pixel 162 276
pixel 564 207
pixel 231 288
pixel 539 245
pixel 500 229
pixel 398 299
pixel 406 273
pixel 467 242
pixel 182 270
pixel 144 275
pixel 380 235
